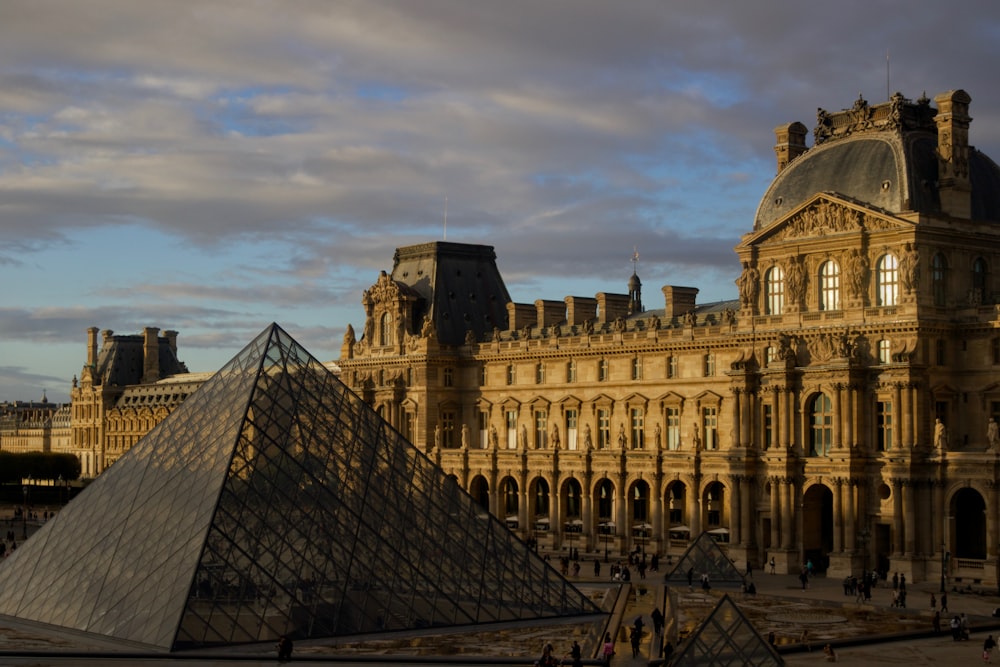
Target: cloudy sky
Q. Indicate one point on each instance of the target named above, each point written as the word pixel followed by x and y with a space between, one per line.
pixel 213 166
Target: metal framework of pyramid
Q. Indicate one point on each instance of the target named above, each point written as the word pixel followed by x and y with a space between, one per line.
pixel 705 556
pixel 726 639
pixel 275 501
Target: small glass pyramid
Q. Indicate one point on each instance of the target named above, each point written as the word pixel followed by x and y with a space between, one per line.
pixel 705 556
pixel 727 639
pixel 275 501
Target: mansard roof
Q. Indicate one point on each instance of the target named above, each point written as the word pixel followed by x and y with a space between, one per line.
pixel 883 155
pixel 460 285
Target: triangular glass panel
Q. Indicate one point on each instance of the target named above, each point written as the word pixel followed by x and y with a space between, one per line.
pixel 726 639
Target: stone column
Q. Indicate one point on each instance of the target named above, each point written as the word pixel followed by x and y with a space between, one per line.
pixel 991 519
pixel 909 515
pixel 838 416
pixel 787 512
pixel 906 417
pixel 555 523
pixel 897 522
pixel 915 416
pixel 746 419
pixel 656 511
pixel 851 523
pixel 897 399
pixel 734 496
pixel 775 513
pixel 745 513
pixel 777 436
pixel 941 512
pixel 838 514
pixel 621 524
pixel 850 436
pixel 694 493
pixel 587 513
pixel 737 422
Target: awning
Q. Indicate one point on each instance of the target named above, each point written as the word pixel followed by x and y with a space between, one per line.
pixel 679 529
pixel 719 531
pixel 575 522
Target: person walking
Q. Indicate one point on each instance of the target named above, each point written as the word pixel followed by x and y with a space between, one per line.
pixel 944 603
pixel 772 564
pixel 988 645
pixel 576 654
pixel 608 650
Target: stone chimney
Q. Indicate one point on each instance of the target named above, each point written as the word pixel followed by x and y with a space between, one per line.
pixel 171 337
pixel 579 309
pixel 679 300
pixel 92 346
pixel 150 355
pixel 791 143
pixel 954 186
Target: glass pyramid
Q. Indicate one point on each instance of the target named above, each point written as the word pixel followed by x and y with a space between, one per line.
pixel 726 639
pixel 705 556
pixel 275 501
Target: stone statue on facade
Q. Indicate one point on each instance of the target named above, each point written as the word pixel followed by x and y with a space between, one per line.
pixel 588 442
pixel 908 268
pixel 657 433
pixel 695 438
pixel 940 435
pixel 795 279
pixel 749 285
pixel 465 436
pixel 622 438
pixel 992 435
pixel 554 438
pixel 524 437
pixel 494 440
pixel 437 436
pixel 857 272
pixel 470 337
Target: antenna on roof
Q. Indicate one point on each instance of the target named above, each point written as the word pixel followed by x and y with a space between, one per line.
pixel 446 217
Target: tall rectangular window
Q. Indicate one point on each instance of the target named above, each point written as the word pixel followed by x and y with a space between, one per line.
pixel 710 424
pixel 673 428
pixel 484 425
pixel 603 428
pixel 541 424
pixel 571 371
pixel 829 286
pixel 449 377
pixel 636 369
pixel 602 370
pixel 671 367
pixel 510 374
pixel 447 429
pixel 638 428
pixel 709 363
pixel 887 280
pixel 571 429
pixel 883 438
pixel 511 429
pixel 540 373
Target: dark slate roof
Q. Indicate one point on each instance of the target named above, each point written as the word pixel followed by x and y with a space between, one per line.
pixel 857 167
pixel 459 284
pixel 120 361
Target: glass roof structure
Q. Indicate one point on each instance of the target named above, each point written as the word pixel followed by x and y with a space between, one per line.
pixel 275 501
pixel 705 556
pixel 727 639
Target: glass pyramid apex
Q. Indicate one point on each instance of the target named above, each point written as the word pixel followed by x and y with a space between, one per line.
pixel 705 556
pixel 275 501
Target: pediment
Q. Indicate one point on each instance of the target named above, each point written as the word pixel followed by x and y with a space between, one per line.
pixel 670 397
pixel 827 214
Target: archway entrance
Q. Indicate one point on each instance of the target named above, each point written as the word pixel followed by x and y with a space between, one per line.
pixel 817 526
pixel 969 538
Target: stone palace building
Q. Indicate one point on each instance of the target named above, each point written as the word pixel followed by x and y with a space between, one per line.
pixel 841 410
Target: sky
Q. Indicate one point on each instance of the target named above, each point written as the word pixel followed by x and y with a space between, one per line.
pixel 212 166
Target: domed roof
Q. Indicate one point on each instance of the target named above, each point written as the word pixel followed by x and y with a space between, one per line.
pixel 886 165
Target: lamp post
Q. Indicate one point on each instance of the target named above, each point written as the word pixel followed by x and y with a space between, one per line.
pixel 24 511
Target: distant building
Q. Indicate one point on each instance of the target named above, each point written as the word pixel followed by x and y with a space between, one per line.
pixel 34 426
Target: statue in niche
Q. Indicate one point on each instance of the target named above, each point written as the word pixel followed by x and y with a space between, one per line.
pixel 993 435
pixel 524 437
pixel 465 436
pixel 437 437
pixel 908 263
pixel 554 438
pixel 795 279
pixel 656 435
pixel 494 439
pixel 857 272
pixel 588 442
pixel 622 438
pixel 940 435
pixel 749 285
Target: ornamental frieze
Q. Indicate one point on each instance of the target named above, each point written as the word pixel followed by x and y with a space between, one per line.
pixel 385 290
pixel 824 218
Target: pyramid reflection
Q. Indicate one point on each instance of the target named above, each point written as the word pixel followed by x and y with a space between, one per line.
pixel 275 501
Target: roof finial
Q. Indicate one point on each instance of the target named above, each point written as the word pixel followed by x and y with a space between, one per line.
pixel 635 259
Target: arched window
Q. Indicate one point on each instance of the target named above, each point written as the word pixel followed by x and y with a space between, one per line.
pixel 821 418
pixel 939 270
pixel 979 273
pixel 385 329
pixel 829 286
pixel 605 500
pixel 887 279
pixel 509 495
pixel 774 281
pixel 541 498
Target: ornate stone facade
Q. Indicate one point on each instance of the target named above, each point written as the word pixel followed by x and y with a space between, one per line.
pixel 795 422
